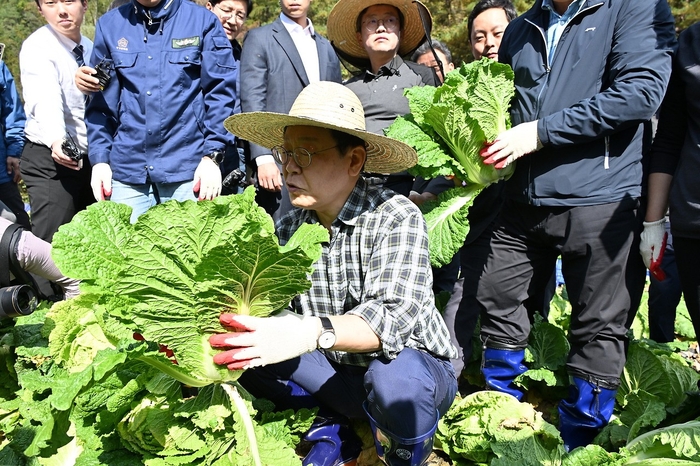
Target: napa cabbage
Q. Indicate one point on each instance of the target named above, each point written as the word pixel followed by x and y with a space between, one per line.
pixel 170 275
pixel 107 377
pixel 448 126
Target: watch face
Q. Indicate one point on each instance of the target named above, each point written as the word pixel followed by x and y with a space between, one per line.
pixel 326 340
pixel 217 157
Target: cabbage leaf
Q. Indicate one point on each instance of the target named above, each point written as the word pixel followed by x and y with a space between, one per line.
pixel 171 274
pixel 448 126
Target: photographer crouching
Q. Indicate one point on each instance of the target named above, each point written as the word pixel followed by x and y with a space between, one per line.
pixel 23 254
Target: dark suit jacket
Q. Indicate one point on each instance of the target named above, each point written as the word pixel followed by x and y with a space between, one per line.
pixel 272 73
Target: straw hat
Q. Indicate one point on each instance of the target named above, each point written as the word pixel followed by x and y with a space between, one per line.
pixel 325 104
pixel 341 27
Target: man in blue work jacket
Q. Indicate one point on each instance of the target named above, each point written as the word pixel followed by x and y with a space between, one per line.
pixel 156 130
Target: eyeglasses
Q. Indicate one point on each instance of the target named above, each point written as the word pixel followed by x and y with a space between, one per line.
pixel 240 16
pixel 390 23
pixel 302 157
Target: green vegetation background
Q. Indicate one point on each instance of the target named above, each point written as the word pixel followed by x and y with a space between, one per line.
pixel 19 18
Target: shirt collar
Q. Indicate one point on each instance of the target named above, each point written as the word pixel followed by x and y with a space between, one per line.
pixel 572 9
pixel 390 69
pixel 292 27
pixel 354 205
pixel 65 41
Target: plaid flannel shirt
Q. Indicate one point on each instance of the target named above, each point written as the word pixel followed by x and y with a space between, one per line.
pixel 376 266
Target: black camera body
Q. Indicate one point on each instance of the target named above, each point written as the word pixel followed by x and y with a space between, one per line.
pixel 17 297
pixel 17 301
pixel 71 149
pixel 103 72
pixel 235 179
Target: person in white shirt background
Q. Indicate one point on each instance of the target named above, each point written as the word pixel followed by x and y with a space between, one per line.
pixel 58 185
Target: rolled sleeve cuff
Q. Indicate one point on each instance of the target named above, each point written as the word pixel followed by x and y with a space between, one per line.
pixel 99 157
pixel 263 159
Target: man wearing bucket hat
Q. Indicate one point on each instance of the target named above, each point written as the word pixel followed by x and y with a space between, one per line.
pixel 368 324
pixel 374 36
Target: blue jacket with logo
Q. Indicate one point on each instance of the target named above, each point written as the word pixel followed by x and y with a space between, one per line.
pixel 607 77
pixel 12 121
pixel 172 87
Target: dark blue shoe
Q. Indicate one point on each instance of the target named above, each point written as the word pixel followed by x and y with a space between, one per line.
pixel 334 444
pixel 397 451
pixel 585 412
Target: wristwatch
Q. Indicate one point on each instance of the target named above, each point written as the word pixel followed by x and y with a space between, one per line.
pixel 217 157
pixel 327 338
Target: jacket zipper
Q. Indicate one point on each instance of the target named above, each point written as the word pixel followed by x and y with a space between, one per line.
pixel 548 70
pixel 606 163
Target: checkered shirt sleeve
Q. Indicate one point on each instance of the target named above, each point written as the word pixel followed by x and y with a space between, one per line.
pixel 376 266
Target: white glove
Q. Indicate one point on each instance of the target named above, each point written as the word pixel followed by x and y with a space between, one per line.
pixel 207 179
pixel 512 144
pixel 101 181
pixel 259 341
pixel 653 242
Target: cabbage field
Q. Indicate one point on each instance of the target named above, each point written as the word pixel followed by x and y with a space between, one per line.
pixel 109 377
pixel 123 374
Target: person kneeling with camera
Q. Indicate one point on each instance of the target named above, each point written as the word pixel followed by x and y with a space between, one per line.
pixel 22 254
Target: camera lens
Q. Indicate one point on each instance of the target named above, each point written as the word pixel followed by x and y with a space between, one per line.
pixel 17 301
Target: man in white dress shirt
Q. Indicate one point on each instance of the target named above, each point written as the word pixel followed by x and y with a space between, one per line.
pixel 58 185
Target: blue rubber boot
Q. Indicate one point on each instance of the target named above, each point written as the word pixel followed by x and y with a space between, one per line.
pixel 334 442
pixel 397 451
pixel 500 367
pixel 585 412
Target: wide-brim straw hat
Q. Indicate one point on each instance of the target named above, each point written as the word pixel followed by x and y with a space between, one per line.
pixel 330 105
pixel 341 27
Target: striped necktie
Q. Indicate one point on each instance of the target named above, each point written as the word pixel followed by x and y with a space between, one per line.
pixel 78 52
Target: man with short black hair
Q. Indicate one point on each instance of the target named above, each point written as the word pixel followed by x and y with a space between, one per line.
pixel 486 24
pixel 58 185
pixel 424 56
pixel 233 14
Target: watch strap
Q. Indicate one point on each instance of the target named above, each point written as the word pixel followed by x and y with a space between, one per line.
pixel 217 156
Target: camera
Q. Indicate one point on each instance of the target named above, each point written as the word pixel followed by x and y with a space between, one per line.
pixel 70 148
pixel 103 73
pixel 17 301
pixel 235 179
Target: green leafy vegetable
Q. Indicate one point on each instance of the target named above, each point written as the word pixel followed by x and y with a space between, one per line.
pixel 495 428
pixel 170 275
pixel 448 126
pixel 88 392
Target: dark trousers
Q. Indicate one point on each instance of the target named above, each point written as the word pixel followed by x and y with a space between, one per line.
pixel 473 256
pixel 404 395
pixel 594 244
pixel 10 196
pixel 687 259
pixel 56 193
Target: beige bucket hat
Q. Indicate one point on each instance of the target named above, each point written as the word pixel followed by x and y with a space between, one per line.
pixel 341 28
pixel 330 105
